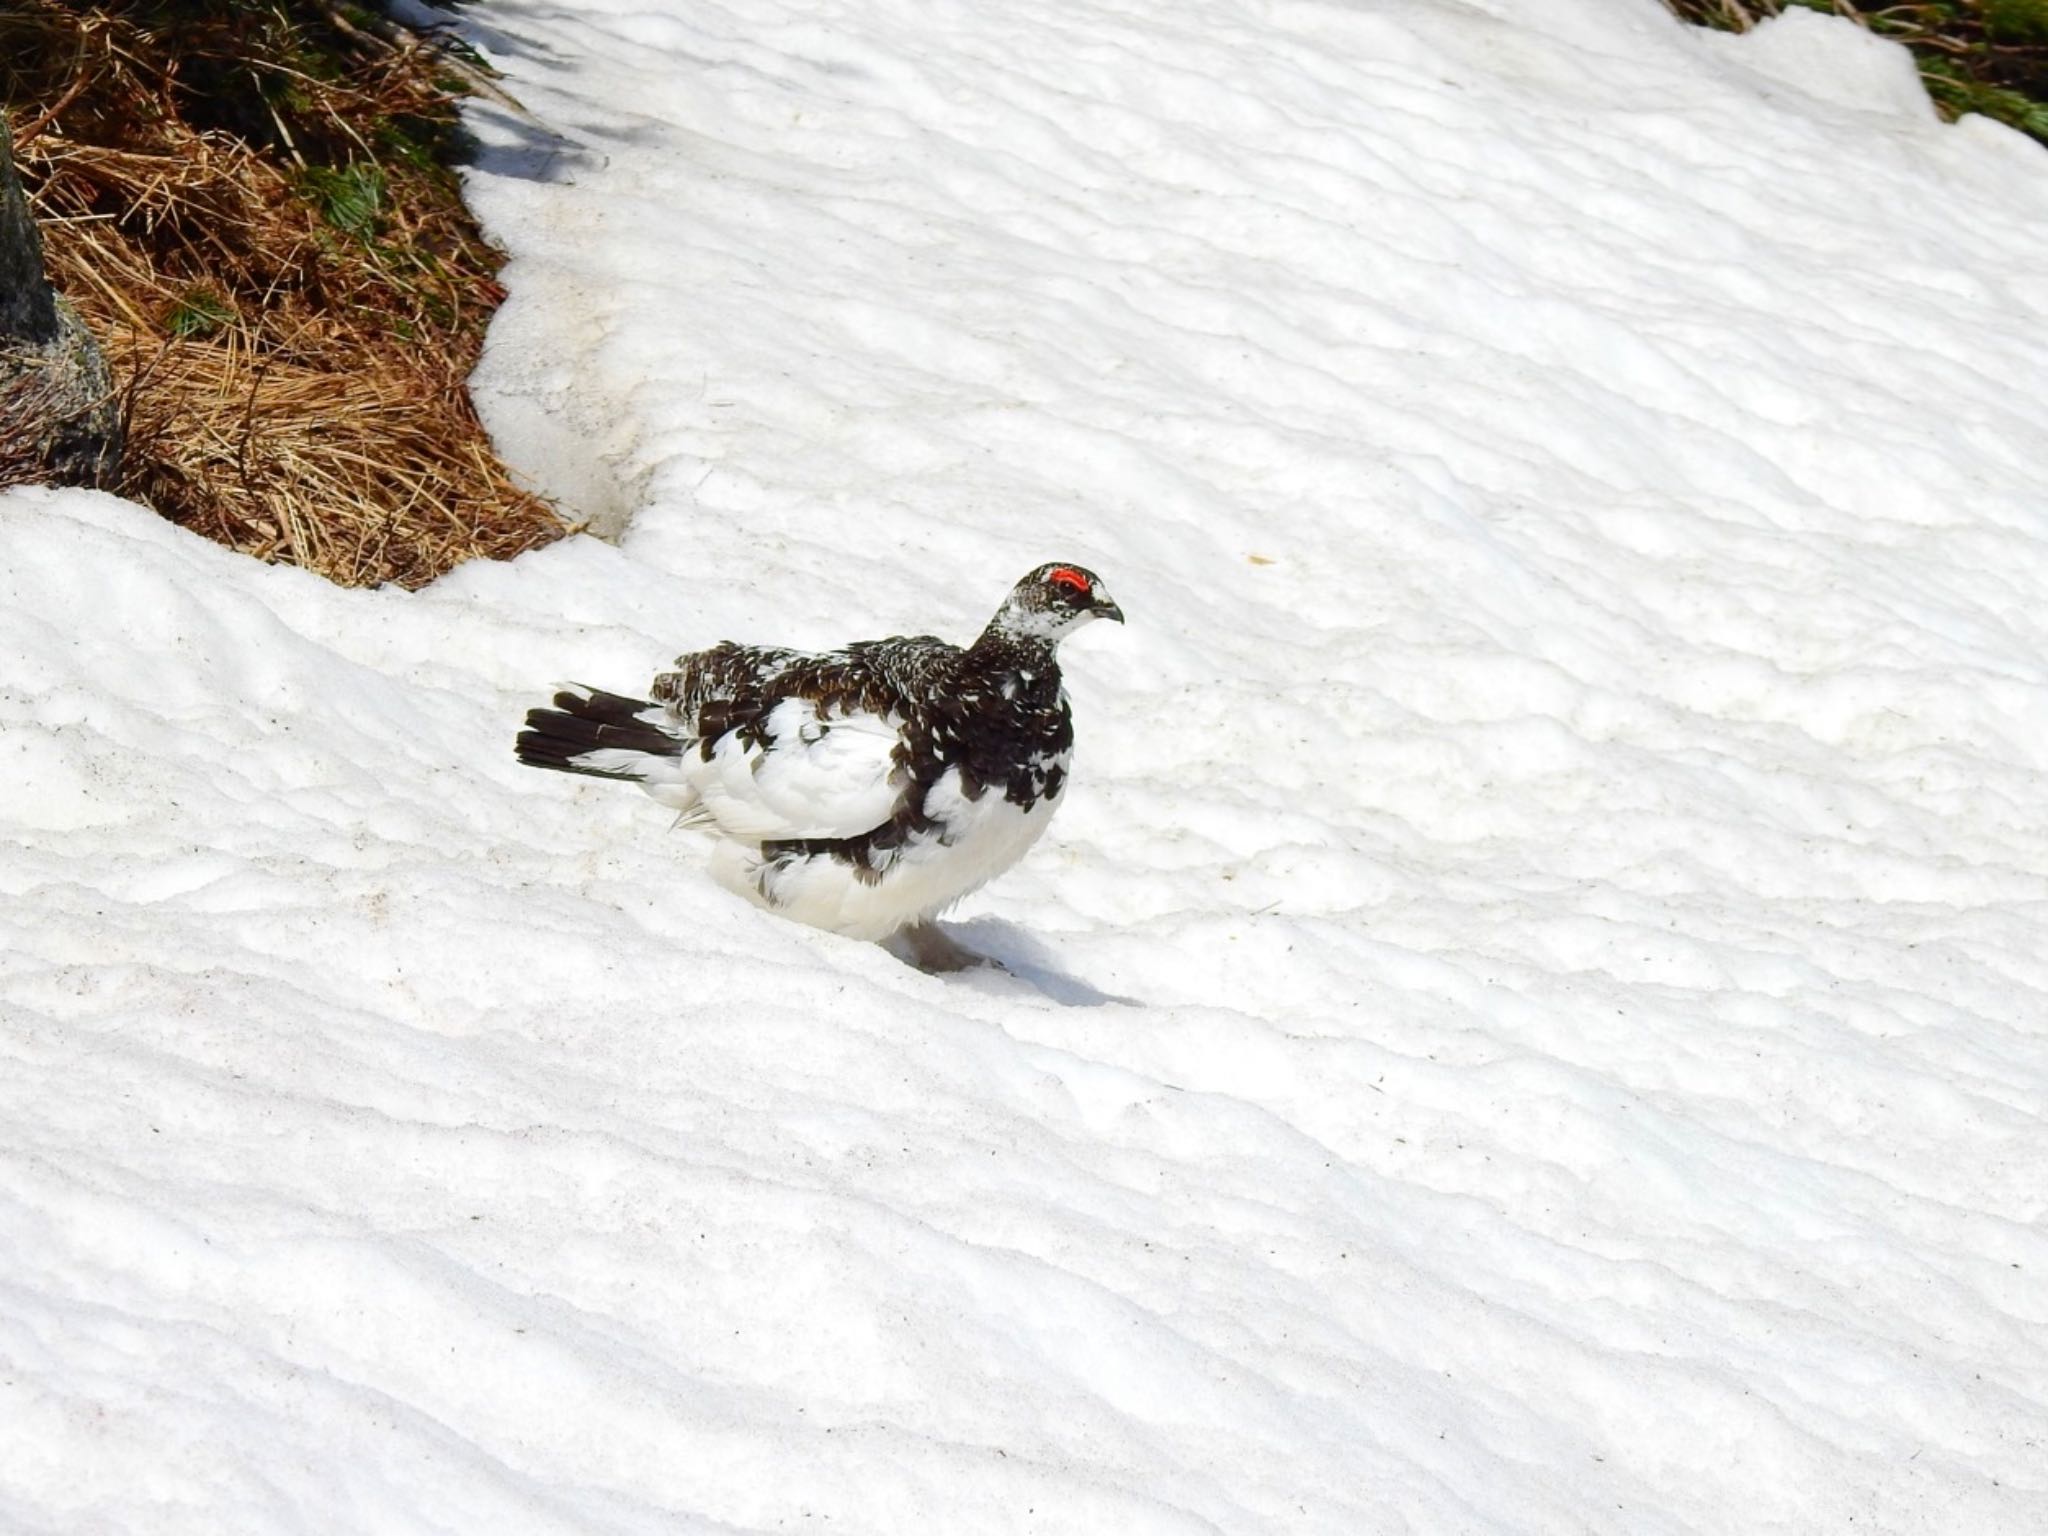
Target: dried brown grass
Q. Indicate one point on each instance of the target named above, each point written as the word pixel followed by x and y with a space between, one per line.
pixel 248 206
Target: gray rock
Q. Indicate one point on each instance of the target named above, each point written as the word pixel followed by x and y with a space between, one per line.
pixel 59 419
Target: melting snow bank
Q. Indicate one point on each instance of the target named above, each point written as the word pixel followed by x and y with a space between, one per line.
pixel 1535 1018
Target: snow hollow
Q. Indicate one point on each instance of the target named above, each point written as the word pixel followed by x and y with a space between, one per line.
pixel 1534 1017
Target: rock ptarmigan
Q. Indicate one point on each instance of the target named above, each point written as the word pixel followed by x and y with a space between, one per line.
pixel 862 790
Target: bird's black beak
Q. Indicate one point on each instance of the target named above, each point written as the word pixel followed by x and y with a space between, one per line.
pixel 1106 609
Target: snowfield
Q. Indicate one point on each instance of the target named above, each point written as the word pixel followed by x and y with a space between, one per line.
pixel 1534 1017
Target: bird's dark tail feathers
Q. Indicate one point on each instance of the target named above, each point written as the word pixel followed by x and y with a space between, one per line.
pixel 605 735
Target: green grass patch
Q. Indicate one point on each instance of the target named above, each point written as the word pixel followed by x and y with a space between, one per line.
pixel 196 313
pixel 349 197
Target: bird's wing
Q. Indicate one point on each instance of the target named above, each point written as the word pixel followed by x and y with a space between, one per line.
pixel 797 772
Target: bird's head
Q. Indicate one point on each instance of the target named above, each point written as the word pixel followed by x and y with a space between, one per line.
pixel 1054 600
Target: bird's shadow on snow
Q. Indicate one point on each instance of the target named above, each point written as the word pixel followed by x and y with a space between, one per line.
pixel 1023 957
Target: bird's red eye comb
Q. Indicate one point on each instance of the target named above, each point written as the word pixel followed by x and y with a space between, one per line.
pixel 1067 576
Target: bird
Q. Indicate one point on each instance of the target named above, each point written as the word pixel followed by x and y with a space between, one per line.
pixel 862 790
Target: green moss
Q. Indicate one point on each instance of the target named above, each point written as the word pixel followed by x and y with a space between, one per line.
pixel 2016 21
pixel 1956 93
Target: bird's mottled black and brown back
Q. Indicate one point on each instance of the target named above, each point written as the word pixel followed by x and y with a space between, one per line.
pixel 740 684
pixel 996 711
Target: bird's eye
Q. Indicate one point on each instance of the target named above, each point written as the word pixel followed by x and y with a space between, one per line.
pixel 1067 576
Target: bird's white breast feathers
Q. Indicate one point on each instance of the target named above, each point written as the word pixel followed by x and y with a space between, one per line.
pixel 975 841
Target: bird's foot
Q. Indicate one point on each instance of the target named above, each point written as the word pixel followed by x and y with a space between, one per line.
pixel 930 948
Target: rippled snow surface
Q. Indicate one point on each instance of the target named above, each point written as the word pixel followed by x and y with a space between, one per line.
pixel 1534 1018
